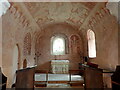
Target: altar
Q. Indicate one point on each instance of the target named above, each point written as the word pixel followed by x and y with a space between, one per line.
pixel 60 66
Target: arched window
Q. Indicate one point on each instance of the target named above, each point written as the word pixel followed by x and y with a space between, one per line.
pixel 91 44
pixel 4 5
pixel 58 45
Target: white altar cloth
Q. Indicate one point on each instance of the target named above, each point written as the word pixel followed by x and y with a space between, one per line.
pixel 60 66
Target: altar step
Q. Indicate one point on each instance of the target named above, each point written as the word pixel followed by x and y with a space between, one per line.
pixel 41 85
pixel 58 83
pixel 76 83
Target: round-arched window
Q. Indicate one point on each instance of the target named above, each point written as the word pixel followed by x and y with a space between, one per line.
pixel 58 45
pixel 91 44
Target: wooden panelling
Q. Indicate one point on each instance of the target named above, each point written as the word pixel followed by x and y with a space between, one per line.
pixel 93 78
pixel 25 78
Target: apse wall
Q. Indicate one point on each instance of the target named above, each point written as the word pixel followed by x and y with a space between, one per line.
pixel 43 45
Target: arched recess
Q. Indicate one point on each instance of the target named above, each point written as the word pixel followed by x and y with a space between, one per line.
pixel 25 63
pixel 76 45
pixel 91 44
pixel 16 61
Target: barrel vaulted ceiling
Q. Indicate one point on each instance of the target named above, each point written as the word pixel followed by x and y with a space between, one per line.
pixel 36 15
pixel 70 12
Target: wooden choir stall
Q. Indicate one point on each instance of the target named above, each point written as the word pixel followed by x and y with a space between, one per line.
pixel 92 78
pixel 3 81
pixel 25 78
pixel 116 79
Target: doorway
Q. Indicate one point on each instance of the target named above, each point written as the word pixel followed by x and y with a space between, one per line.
pixel 25 63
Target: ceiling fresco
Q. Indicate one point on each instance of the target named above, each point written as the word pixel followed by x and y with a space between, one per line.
pixel 70 12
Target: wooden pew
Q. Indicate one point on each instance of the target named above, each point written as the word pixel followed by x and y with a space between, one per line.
pixel 3 81
pixel 25 78
pixel 116 79
pixel 93 78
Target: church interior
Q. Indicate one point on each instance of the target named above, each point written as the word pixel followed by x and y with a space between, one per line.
pixel 60 45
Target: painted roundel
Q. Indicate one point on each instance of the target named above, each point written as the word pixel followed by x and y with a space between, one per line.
pixel 74 37
pixel 75 41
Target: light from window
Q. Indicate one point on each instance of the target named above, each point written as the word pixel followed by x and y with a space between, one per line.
pixel 91 44
pixel 4 5
pixel 58 46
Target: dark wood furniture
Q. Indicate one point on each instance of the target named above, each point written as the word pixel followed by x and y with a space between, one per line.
pixel 116 79
pixel 93 77
pixel 3 81
pixel 25 78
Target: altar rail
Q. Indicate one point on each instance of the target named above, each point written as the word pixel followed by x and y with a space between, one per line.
pixel 71 72
pixel 92 78
pixel 69 81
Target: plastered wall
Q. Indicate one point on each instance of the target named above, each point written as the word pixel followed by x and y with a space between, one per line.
pixel 106 35
pixel 75 47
